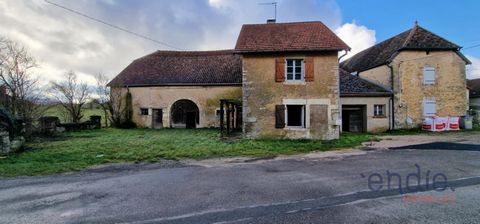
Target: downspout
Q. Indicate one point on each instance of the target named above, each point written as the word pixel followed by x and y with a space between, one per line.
pixel 392 99
pixel 340 58
pixel 339 104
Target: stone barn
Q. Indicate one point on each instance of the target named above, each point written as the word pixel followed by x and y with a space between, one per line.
pixel 181 89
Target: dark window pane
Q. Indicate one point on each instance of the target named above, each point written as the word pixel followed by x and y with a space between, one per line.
pixel 298 76
pixel 295 115
pixel 298 62
pixel 289 69
pixel 289 76
pixel 289 62
pixel 298 70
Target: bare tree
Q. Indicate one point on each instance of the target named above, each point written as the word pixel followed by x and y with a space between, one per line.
pixel 104 96
pixel 111 99
pixel 21 86
pixel 72 95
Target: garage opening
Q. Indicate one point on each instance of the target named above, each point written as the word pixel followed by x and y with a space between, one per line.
pixel 354 118
pixel 184 114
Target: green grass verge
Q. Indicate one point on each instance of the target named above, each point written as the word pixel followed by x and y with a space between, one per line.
pixel 78 150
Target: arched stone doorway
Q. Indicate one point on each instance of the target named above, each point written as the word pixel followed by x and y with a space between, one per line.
pixel 184 114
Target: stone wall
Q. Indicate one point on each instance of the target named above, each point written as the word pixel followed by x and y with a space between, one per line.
pixel 261 94
pixel 4 142
pixel 379 75
pixel 449 89
pixel 207 99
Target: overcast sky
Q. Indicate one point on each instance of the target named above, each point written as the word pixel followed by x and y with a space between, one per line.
pixel 61 40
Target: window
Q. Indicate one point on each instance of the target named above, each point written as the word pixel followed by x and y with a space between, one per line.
pixel 429 106
pixel 295 70
pixel 296 116
pixel 379 110
pixel 428 75
pixel 143 111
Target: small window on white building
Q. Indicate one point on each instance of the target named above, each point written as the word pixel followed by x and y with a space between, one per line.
pixel 379 110
pixel 295 70
pixel 429 106
pixel 295 116
pixel 143 111
pixel 428 75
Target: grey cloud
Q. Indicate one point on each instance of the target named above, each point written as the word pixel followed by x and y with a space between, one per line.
pixel 63 41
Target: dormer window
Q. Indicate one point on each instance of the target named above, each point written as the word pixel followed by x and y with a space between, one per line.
pixel 295 70
pixel 428 75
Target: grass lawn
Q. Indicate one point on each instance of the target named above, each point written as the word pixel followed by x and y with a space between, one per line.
pixel 78 150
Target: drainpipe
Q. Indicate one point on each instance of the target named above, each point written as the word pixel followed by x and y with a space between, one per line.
pixel 340 58
pixel 392 99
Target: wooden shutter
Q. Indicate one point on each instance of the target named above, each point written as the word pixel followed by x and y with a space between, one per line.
pixel 429 106
pixel 309 74
pixel 280 69
pixel 428 75
pixel 279 116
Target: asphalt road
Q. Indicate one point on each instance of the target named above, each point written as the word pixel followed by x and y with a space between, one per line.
pixel 297 189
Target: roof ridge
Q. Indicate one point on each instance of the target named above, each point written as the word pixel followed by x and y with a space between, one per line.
pixel 409 37
pixel 276 23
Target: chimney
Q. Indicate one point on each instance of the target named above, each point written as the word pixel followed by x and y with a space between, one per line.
pixel 271 20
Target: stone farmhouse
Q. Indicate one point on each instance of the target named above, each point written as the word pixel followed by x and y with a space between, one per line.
pixel 425 73
pixel 284 80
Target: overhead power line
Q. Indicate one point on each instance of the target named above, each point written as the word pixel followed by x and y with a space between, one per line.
pixel 113 25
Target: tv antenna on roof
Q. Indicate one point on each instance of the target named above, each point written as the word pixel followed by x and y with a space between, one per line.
pixel 274 6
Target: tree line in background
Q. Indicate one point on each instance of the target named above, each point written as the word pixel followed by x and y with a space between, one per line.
pixel 22 97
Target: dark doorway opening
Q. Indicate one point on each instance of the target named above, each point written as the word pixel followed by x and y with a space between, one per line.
pixel 157 119
pixel 354 118
pixel 184 114
pixel 295 115
pixel 191 120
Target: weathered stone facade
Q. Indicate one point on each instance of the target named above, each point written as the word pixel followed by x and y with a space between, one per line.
pixel 206 98
pixel 379 75
pixel 261 94
pixel 449 89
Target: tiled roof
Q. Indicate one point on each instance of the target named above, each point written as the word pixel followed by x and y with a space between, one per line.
pixel 351 85
pixel 416 38
pixel 277 37
pixel 183 68
pixel 474 87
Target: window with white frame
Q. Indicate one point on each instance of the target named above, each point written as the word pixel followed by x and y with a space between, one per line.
pixel 379 110
pixel 295 70
pixel 295 116
pixel 429 106
pixel 428 75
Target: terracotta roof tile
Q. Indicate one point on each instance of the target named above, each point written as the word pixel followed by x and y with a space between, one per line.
pixel 183 68
pixel 298 36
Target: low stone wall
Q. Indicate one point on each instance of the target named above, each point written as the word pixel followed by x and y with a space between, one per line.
pixel 4 142
pixel 7 146
pixel 51 125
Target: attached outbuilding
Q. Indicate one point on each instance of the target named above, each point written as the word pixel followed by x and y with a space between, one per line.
pixel 365 105
pixel 181 89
